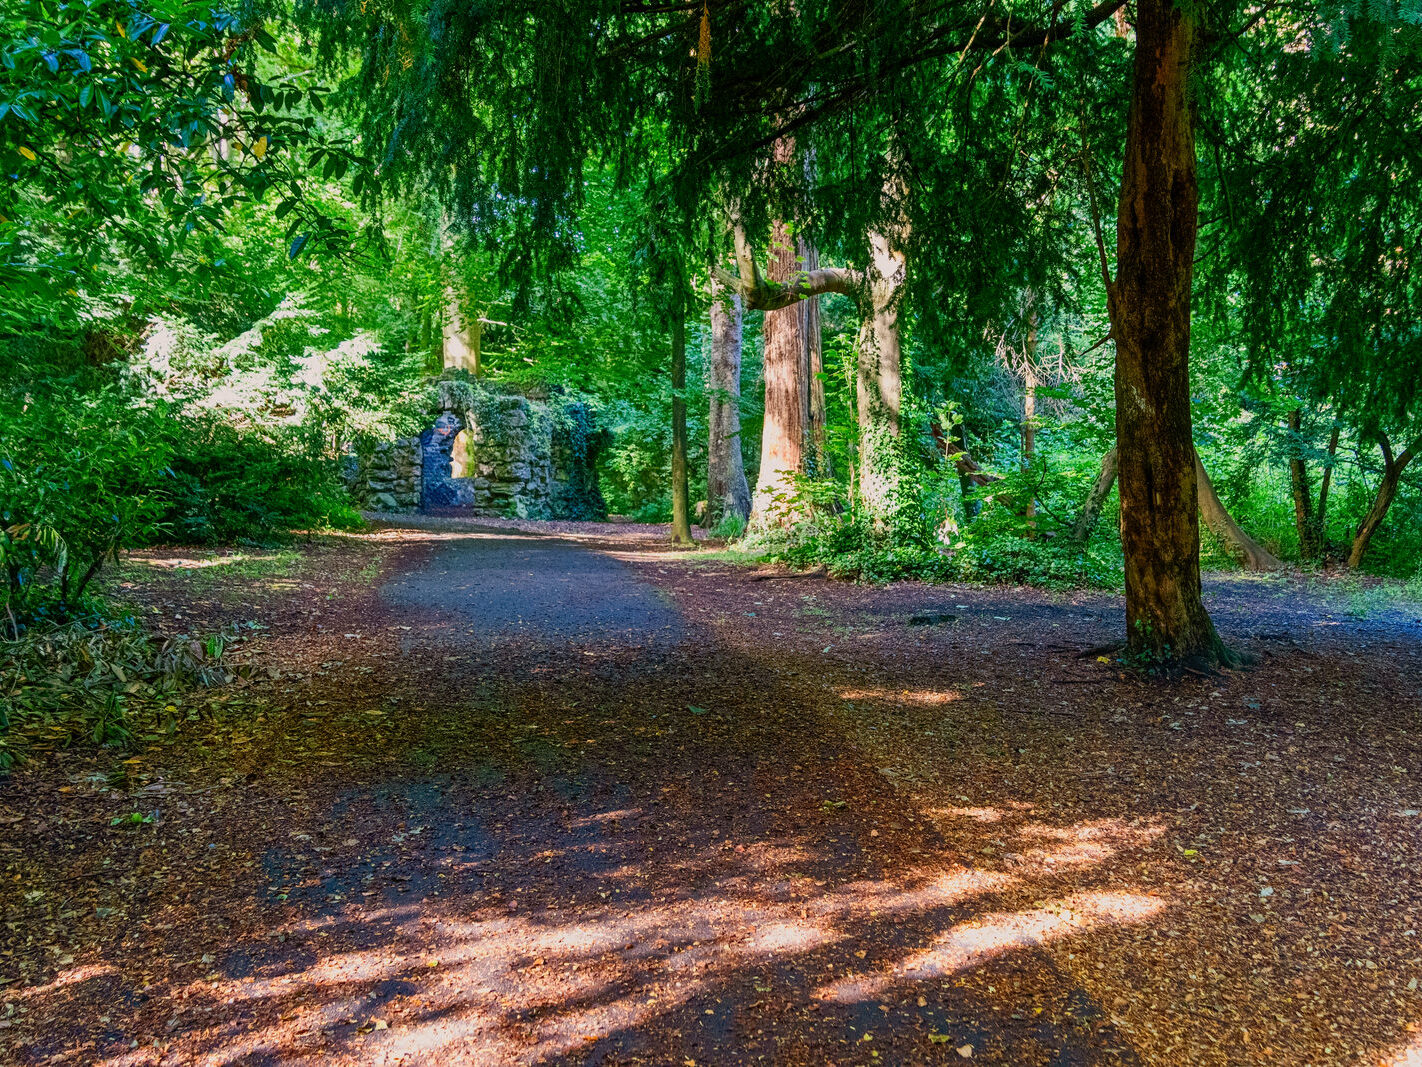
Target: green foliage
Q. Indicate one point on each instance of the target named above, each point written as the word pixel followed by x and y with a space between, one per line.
pixel 89 473
pixel 177 126
pixel 251 485
pixel 85 475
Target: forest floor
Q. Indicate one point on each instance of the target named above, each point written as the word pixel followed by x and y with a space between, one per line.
pixel 501 798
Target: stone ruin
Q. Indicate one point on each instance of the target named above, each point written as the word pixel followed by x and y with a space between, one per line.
pixel 493 453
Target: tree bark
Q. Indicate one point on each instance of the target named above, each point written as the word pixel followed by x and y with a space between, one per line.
pixel 878 372
pixel 1298 481
pixel 1090 513
pixel 1320 517
pixel 1029 414
pixel 782 441
pixel 1149 305
pixel 727 492
pixel 1382 501
pixel 461 338
pixel 1251 555
pixel 878 379
pixel 816 458
pixel 681 500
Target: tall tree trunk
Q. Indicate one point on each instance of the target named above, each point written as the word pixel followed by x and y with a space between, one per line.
pixel 681 500
pixel 782 441
pixel 816 458
pixel 461 337
pixel 1149 304
pixel 1320 517
pixel 878 381
pixel 1387 490
pixel 1029 410
pixel 1090 512
pixel 1251 554
pixel 727 492
pixel 1298 479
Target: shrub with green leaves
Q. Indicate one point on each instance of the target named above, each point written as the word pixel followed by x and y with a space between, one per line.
pixel 82 477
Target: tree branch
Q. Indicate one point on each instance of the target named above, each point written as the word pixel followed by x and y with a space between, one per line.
pixel 762 294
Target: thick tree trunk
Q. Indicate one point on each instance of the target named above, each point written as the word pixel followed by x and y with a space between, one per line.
pixel 782 441
pixel 1320 517
pixel 1298 480
pixel 1382 501
pixel 681 500
pixel 1090 512
pixel 878 379
pixel 1251 555
pixel 727 492
pixel 1150 319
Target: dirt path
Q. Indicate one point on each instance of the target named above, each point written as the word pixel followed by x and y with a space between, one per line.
pixel 514 799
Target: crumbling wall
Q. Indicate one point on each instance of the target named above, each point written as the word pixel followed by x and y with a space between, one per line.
pixel 390 479
pixel 527 458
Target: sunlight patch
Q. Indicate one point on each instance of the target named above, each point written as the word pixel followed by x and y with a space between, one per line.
pixel 973 943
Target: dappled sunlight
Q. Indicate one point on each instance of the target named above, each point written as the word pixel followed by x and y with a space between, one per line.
pixel 194 563
pixel 521 986
pixel 68 977
pixel 1411 1056
pixel 976 814
pixel 926 698
pixel 1082 845
pixel 972 943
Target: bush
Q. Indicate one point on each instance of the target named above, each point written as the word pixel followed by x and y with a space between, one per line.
pixel 87 475
pixel 234 484
pixel 81 479
pixel 928 540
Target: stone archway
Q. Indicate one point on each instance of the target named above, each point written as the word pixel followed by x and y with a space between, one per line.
pixel 442 489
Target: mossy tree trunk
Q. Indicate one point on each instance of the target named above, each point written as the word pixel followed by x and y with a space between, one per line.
pixel 681 495
pixel 727 492
pixel 879 378
pixel 1298 484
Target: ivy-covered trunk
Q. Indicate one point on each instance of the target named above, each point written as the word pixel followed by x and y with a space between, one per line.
pixel 1298 483
pixel 817 463
pixel 727 492
pixel 1150 320
pixel 681 496
pixel 878 379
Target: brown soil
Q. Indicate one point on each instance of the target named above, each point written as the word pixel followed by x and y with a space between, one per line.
pixel 639 807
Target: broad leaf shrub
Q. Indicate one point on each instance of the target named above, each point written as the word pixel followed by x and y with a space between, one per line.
pixel 86 475
pixel 251 484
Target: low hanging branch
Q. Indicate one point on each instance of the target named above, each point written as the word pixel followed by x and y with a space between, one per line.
pixel 762 294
